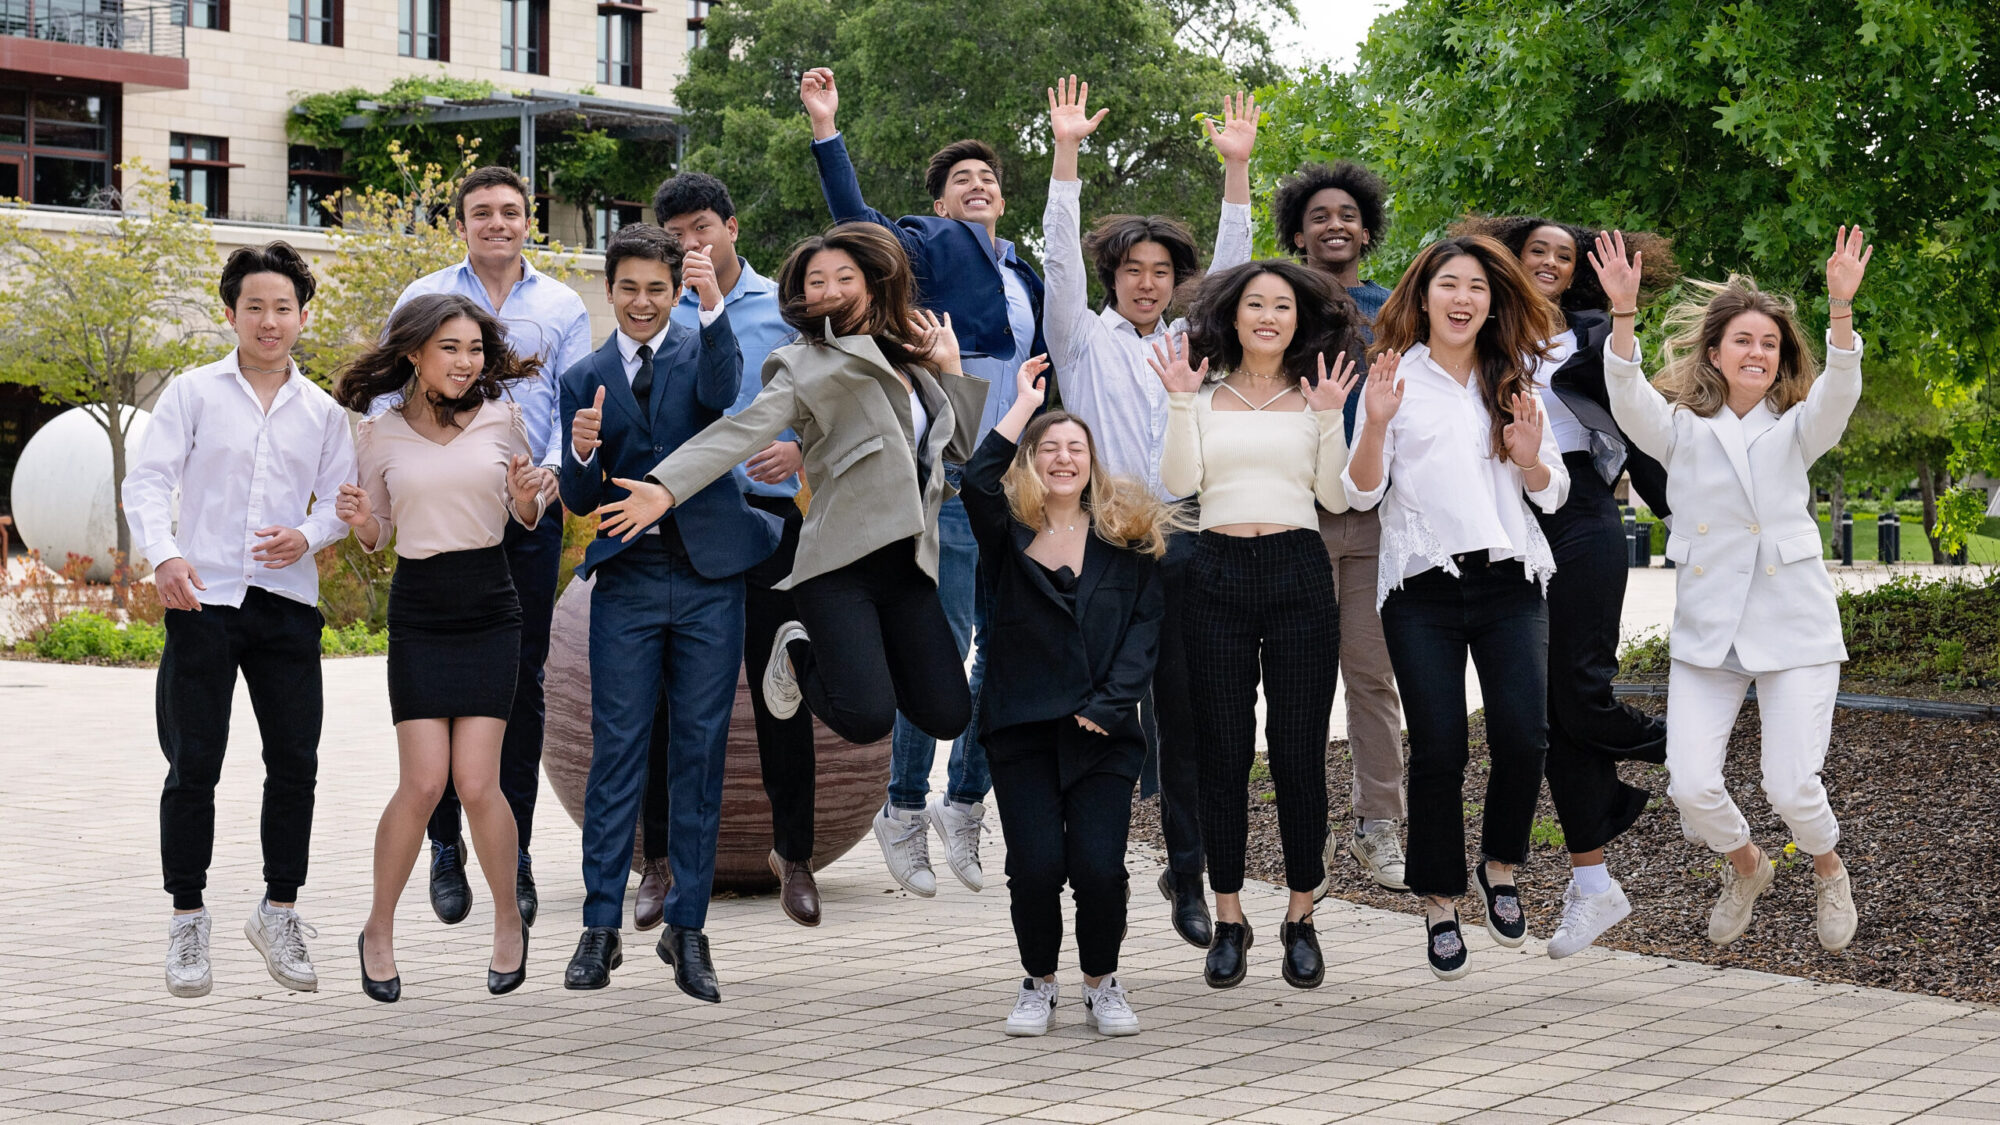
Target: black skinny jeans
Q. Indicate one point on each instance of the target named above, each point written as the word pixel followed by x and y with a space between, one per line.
pixel 785 753
pixel 275 642
pixel 1055 836
pixel 1496 614
pixel 880 644
pixel 1168 719
pixel 1262 604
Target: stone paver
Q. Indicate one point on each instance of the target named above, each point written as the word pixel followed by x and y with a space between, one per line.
pixel 890 1011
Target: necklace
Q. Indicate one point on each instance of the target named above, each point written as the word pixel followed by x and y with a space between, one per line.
pixel 1055 530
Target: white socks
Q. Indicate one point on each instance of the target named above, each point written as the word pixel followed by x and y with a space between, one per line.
pixel 1592 880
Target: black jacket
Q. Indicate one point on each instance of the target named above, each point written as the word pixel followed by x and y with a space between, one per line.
pixel 1579 382
pixel 1045 662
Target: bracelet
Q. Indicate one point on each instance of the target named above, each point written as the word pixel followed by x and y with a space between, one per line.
pixel 1840 302
pixel 1525 468
pixel 1842 316
pixel 1625 312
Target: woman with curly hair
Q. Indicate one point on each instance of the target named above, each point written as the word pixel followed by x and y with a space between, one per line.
pixel 441 474
pixel 1254 428
pixel 1738 415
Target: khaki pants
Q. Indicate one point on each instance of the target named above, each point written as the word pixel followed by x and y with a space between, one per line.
pixel 1374 720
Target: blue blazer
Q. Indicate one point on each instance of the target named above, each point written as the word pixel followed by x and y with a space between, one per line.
pixel 695 377
pixel 956 268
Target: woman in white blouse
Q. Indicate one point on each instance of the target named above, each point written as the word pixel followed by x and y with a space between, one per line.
pixel 1738 416
pixel 1450 443
pixel 1260 440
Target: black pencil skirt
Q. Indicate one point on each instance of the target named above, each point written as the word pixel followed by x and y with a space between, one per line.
pixel 454 636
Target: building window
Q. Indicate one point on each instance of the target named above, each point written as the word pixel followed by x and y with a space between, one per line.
pixel 315 179
pixel 524 35
pixel 610 219
pixel 618 44
pixel 55 145
pixel 210 14
pixel 423 29
pixel 316 21
pixel 698 23
pixel 198 169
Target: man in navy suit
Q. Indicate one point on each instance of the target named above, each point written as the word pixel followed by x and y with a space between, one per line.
pixel 668 604
pixel 966 270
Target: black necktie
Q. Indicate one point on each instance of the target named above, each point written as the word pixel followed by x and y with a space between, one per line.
pixel 642 383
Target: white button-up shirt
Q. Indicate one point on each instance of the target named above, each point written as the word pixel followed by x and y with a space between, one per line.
pixel 1572 436
pixel 1442 491
pixel 236 469
pixel 1099 357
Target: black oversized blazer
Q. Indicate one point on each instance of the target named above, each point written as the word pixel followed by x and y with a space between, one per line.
pixel 1580 384
pixel 1042 661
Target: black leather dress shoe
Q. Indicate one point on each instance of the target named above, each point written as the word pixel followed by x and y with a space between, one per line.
pixel 687 951
pixel 1190 912
pixel 1303 966
pixel 596 955
pixel 524 890
pixel 387 991
pixel 451 895
pixel 798 894
pixel 1228 957
pixel 499 983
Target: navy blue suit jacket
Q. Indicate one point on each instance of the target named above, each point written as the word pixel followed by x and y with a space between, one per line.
pixel 695 377
pixel 956 268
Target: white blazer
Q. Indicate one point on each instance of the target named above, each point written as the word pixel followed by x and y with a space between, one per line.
pixel 1745 541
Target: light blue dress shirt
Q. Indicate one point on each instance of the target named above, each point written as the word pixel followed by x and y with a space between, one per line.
pixel 753 315
pixel 1000 370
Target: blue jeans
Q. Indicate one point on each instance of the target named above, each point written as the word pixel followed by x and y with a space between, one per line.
pixel 964 598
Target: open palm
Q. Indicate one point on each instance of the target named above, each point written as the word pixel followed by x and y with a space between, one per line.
pixel 1238 134
pixel 1069 116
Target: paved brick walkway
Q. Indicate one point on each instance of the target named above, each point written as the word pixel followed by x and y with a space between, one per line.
pixel 890 1011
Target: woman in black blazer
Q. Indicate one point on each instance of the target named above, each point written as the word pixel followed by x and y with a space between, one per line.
pixel 1075 623
pixel 1589 731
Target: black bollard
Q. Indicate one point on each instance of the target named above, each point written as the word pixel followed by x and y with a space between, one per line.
pixel 1888 537
pixel 1632 538
pixel 1847 538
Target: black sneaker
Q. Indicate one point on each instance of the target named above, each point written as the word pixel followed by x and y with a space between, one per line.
pixel 524 890
pixel 1445 948
pixel 1504 917
pixel 451 895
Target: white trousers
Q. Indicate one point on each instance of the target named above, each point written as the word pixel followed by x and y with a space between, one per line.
pixel 1796 708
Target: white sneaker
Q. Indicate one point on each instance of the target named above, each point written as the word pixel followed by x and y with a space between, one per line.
pixel 905 838
pixel 187 955
pixel 1032 1006
pixel 280 935
pixel 1105 1009
pixel 1586 918
pixel 1380 855
pixel 781 683
pixel 1738 901
pixel 958 826
pixel 1837 918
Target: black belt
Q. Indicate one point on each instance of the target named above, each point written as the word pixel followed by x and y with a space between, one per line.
pixel 1474 558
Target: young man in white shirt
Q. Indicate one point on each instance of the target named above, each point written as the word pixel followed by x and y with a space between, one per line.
pixel 256 454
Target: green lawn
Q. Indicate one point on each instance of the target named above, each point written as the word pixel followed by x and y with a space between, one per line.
pixel 1916 549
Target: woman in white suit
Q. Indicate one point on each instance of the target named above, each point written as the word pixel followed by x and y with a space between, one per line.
pixel 1737 416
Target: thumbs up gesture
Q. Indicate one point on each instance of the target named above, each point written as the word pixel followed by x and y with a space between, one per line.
pixel 584 427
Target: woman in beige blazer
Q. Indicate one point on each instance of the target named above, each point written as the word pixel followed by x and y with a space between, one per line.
pixel 1743 416
pixel 876 394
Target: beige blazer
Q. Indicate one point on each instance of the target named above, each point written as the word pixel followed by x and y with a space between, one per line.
pixel 852 417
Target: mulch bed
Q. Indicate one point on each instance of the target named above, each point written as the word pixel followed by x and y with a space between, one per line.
pixel 1919 808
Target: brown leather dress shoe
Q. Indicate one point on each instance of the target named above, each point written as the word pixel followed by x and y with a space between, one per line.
pixel 797 893
pixel 654 879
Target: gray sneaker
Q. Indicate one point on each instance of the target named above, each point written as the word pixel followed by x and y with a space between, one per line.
pixel 781 682
pixel 187 955
pixel 280 935
pixel 959 827
pixel 905 838
pixel 1380 855
pixel 1837 918
pixel 1738 901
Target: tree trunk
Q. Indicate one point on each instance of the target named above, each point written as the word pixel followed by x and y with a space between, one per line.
pixel 121 572
pixel 1927 487
pixel 1836 505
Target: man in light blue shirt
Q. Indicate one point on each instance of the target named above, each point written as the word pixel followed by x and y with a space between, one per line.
pixel 546 319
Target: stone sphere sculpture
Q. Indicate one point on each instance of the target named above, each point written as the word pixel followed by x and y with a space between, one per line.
pixel 850 779
pixel 62 489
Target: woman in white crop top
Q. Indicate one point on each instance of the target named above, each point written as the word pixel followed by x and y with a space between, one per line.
pixel 1450 442
pixel 1260 440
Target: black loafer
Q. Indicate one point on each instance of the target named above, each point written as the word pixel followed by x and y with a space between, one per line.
pixel 1303 966
pixel 499 983
pixel 387 991
pixel 596 955
pixel 1445 947
pixel 524 890
pixel 451 895
pixel 687 951
pixel 1504 918
pixel 1190 914
pixel 1228 956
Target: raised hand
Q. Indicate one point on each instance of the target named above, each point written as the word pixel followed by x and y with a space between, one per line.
pixel 936 340
pixel 1029 385
pixel 1849 262
pixel 1069 118
pixel 635 513
pixel 1330 393
pixel 352 506
pixel 281 547
pixel 821 99
pixel 585 425
pixel 524 482
pixel 1170 362
pixel 1618 277
pixel 1238 134
pixel 1523 436
pixel 1383 393
pixel 177 581
pixel 698 277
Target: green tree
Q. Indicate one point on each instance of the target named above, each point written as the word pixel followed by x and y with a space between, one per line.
pixel 103 316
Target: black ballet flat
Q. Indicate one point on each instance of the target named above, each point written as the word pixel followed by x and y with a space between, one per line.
pixel 499 983
pixel 387 991
pixel 1505 920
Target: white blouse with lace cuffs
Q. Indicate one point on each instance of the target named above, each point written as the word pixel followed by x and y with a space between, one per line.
pixel 1253 466
pixel 1443 492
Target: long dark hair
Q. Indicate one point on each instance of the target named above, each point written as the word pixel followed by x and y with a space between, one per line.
pixel 886 271
pixel 1510 343
pixel 1328 321
pixel 386 368
pixel 1659 271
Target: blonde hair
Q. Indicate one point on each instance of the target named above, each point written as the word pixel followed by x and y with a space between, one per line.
pixel 1696 325
pixel 1122 511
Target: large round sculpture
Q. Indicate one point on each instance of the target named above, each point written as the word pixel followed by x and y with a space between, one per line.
pixel 62 488
pixel 850 779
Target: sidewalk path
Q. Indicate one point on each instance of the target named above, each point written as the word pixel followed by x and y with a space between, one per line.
pixel 889 1011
